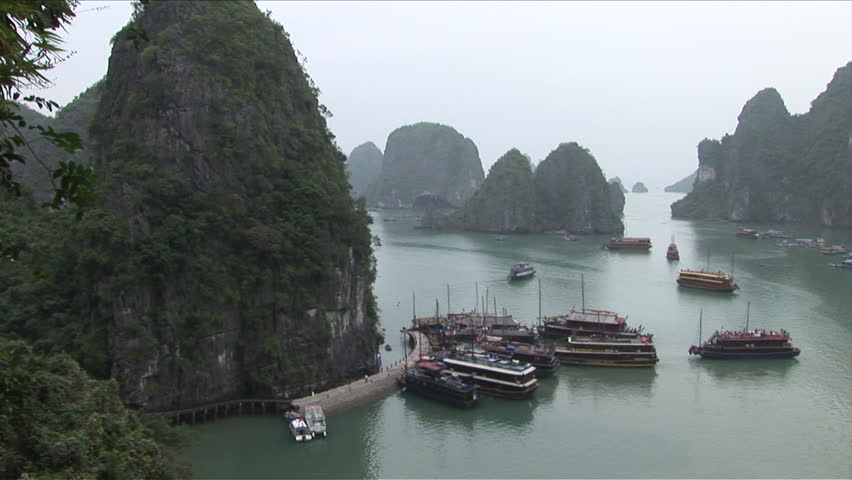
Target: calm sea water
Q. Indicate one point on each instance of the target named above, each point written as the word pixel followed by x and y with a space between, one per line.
pixel 686 418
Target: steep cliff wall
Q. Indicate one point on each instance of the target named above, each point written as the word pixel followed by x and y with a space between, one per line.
pixel 426 159
pixel 245 266
pixel 74 117
pixel 572 193
pixel 363 167
pixel 780 168
pixel 506 200
pixel 616 196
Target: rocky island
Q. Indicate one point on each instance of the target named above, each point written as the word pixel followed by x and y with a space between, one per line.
pixel 363 167
pixel 566 192
pixel 639 187
pixel 225 257
pixel 778 167
pixel 426 159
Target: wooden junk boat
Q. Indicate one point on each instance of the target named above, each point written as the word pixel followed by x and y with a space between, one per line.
pixel 746 344
pixel 628 243
pixel 494 376
pixel 542 358
pixel 747 233
pixel 432 380
pixel 607 351
pixel 718 281
pixel 587 321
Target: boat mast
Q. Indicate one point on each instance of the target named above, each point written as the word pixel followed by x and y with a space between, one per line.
pixel 583 292
pixel 539 301
pixel 476 299
pixel 485 304
pixel 413 311
pixel 700 312
pixel 748 309
pixel 495 305
pixel 448 302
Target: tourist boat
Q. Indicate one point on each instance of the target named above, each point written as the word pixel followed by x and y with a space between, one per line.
pixel 521 334
pixel 495 376
pixel 672 253
pixel 587 321
pixel 718 281
pixel 432 380
pixel 542 358
pixel 315 418
pixel 773 234
pixel 833 250
pixel 746 344
pixel 844 264
pixel 521 271
pixel 298 427
pixel 628 243
pixel 742 344
pixel 747 233
pixel 609 351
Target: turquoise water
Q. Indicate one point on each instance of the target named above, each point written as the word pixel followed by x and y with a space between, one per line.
pixel 685 418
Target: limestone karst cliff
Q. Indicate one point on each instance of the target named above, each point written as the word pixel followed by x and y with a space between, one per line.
pixel 683 185
pixel 363 166
pixel 506 200
pixel 572 194
pixel 639 187
pixel 426 159
pixel 226 257
pixel 778 167
pixel 566 192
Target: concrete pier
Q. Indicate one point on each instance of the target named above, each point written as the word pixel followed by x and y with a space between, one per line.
pixel 365 390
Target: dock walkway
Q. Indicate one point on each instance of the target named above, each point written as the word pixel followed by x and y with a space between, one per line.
pixel 363 391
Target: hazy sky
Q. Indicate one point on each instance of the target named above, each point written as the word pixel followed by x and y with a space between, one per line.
pixel 638 83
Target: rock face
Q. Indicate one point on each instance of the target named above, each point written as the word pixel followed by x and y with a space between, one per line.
pixel 684 185
pixel 639 187
pixel 74 117
pixel 572 193
pixel 619 182
pixel 567 192
pixel 616 196
pixel 430 159
pixel 363 166
pixel 506 201
pixel 241 265
pixel 777 167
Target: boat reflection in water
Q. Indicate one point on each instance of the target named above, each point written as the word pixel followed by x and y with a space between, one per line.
pixel 752 372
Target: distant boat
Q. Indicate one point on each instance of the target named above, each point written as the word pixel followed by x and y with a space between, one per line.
pixel 521 271
pixel 569 237
pixel 717 281
pixel 747 233
pixel 500 238
pixel 833 250
pixel 628 243
pixel 672 253
pixel 844 264
pixel 388 347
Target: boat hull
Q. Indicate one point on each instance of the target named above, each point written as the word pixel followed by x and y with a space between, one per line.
pixel 713 288
pixel 442 394
pixel 714 355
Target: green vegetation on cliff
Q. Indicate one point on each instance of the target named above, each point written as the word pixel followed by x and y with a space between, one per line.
pixel 363 167
pixel 566 192
pixel 777 167
pixel 506 200
pixel 57 422
pixel 572 193
pixel 426 158
pixel 226 256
